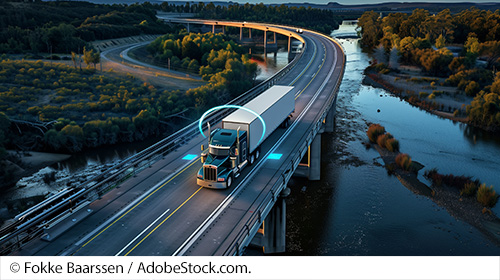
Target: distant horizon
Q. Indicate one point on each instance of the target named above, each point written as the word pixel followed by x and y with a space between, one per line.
pixel 342 2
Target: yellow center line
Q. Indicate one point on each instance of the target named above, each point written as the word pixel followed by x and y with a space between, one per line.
pixel 159 225
pixel 315 75
pixel 124 214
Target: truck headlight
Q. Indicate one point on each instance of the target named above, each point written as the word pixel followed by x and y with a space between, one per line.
pixel 200 176
pixel 220 179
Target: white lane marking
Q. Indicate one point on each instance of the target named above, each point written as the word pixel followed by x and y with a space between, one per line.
pixel 142 232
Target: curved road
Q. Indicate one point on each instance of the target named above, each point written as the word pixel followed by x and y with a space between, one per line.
pixel 163 208
pixel 117 58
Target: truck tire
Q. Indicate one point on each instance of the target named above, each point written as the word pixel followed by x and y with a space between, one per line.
pixel 286 123
pixel 257 153
pixel 229 181
pixel 251 160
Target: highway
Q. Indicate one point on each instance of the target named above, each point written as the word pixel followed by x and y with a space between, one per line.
pixel 162 208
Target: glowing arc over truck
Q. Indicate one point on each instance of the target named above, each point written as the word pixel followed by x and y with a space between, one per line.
pixel 200 122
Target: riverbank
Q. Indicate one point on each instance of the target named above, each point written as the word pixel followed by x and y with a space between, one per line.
pixel 463 208
pixel 421 92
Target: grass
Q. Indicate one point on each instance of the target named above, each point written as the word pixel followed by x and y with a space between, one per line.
pixel 469 189
pixel 487 196
pixel 374 131
pixel 403 161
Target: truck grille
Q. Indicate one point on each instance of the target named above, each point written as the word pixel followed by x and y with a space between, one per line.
pixel 210 172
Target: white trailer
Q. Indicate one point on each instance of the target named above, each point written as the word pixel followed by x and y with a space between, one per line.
pixel 274 106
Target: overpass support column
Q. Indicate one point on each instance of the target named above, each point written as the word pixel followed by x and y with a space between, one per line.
pixel 213 28
pixel 188 28
pixel 265 42
pixel 250 33
pixel 241 34
pixel 330 120
pixel 275 229
pixel 289 45
pixel 315 159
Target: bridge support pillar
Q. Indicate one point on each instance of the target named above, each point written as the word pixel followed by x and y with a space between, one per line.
pixel 271 235
pixel 188 28
pixel 315 159
pixel 241 34
pixel 329 124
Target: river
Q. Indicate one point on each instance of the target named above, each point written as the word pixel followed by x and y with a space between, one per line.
pixel 357 208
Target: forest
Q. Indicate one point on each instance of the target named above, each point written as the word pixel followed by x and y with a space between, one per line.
pixel 321 20
pixel 424 40
pixel 63 27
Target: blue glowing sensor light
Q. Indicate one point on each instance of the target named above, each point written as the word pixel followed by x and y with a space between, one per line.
pixel 274 156
pixel 189 157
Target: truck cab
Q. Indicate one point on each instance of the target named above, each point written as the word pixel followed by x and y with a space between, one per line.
pixel 225 156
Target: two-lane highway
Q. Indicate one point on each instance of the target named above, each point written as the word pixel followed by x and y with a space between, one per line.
pixel 163 208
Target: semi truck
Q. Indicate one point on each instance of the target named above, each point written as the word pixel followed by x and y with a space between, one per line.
pixel 237 143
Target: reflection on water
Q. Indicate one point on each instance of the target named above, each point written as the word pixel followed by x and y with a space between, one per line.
pixel 357 208
pixel 270 64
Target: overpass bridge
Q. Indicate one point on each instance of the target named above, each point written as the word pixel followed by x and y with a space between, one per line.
pixel 269 41
pixel 150 203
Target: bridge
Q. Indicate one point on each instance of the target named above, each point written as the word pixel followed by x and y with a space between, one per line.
pixel 150 204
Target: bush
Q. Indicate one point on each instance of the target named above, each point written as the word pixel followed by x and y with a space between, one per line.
pixel 392 145
pixel 487 196
pixel 374 131
pixel 382 139
pixel 403 161
pixel 470 189
pixel 423 94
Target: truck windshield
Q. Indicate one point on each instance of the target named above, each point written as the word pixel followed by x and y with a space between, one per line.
pixel 218 151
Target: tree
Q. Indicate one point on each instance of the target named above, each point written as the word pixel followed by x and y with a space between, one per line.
pixel 492 50
pixel 440 42
pixel 371 30
pixel 89 56
pixel 4 126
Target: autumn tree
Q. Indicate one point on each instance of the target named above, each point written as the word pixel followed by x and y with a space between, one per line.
pixel 371 30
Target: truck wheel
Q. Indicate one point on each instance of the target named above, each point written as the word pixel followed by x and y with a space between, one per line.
pixel 252 159
pixel 286 123
pixel 229 181
pixel 257 154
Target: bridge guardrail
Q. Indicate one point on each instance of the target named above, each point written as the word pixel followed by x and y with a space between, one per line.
pixel 246 234
pixel 92 189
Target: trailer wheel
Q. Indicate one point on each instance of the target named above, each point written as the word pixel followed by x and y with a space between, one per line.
pixel 229 181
